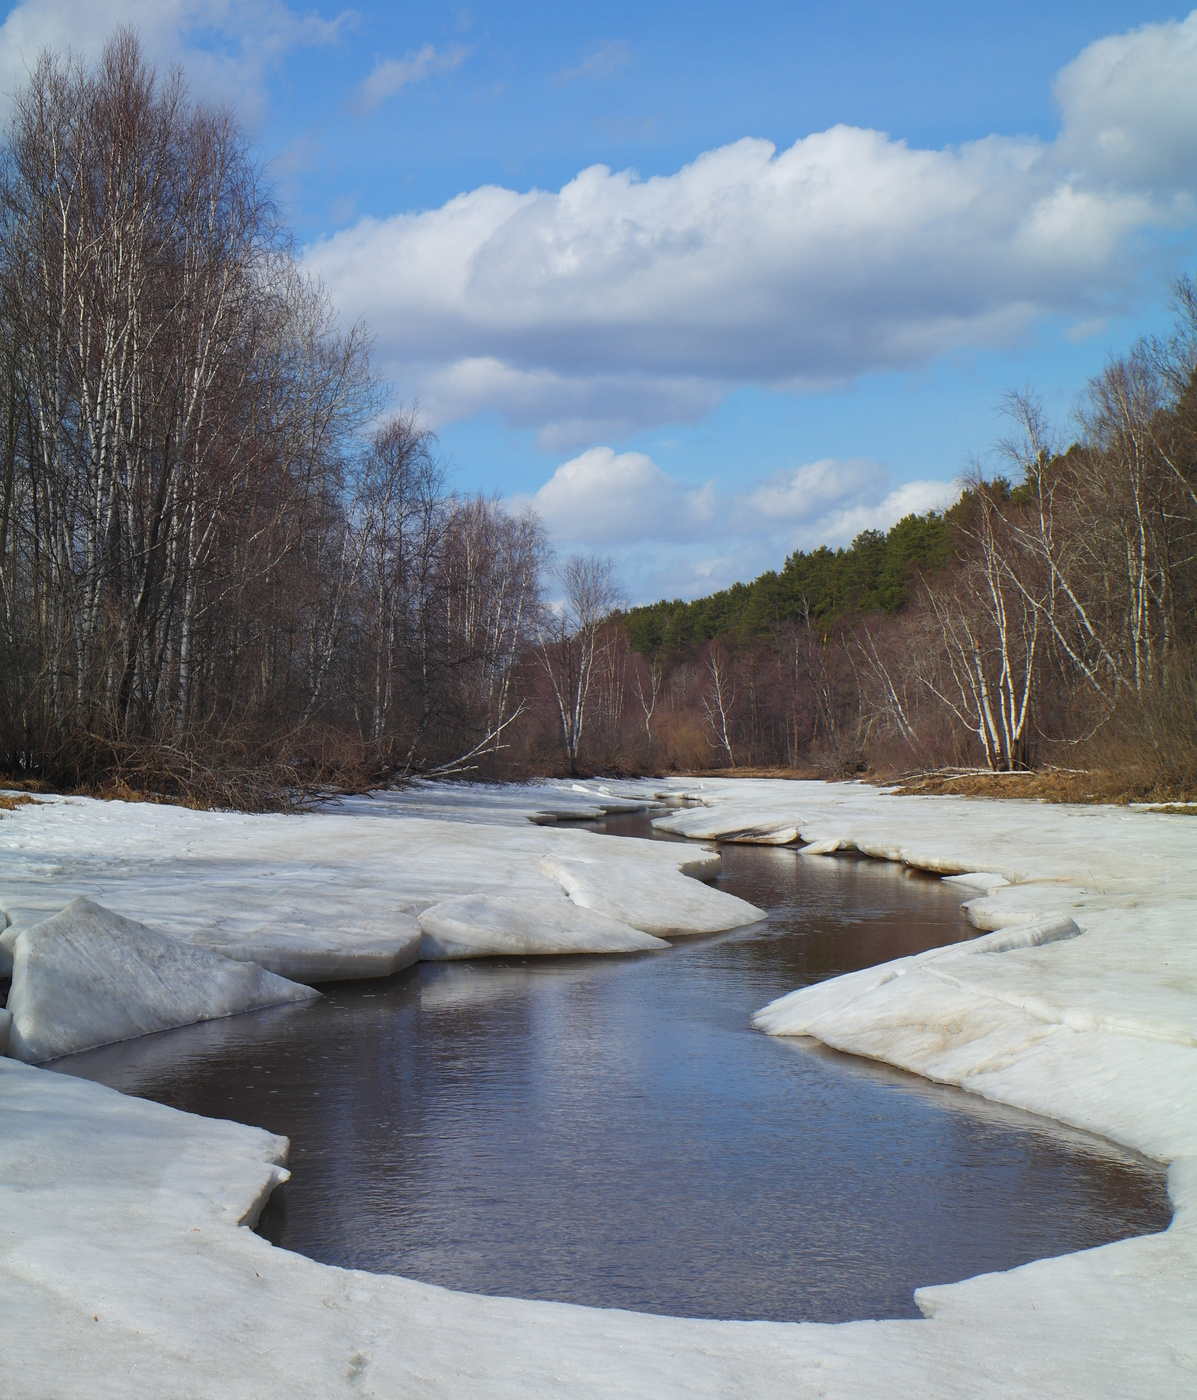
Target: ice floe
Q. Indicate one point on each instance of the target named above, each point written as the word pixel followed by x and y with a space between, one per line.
pixel 656 901
pixel 88 977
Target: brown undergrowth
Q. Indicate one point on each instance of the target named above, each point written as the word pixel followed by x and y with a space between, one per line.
pixel 11 800
pixel 1045 785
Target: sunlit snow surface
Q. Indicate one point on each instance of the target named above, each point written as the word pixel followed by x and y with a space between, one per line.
pixel 122 1272
pixel 338 893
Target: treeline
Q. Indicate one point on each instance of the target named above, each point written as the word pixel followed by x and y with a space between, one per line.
pixel 1048 620
pixel 215 580
pixel 227 575
pixel 873 574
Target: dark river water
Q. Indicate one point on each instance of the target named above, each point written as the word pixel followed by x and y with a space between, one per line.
pixel 611 1131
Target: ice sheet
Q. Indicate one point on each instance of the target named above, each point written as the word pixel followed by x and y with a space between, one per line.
pixel 658 901
pixel 331 894
pixel 123 1272
pixel 338 951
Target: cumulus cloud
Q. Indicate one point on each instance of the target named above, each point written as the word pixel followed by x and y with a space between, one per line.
pixel 667 536
pixel 1129 109
pixel 225 46
pixel 646 300
pixel 392 75
pixel 603 498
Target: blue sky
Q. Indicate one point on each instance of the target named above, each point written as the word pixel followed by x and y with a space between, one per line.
pixel 849 228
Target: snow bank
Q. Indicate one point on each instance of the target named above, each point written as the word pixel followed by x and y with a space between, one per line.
pixel 483 926
pixel 88 977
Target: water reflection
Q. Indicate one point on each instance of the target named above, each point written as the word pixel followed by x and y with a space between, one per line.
pixel 612 1132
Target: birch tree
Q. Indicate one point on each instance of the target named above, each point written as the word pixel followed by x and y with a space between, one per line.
pixel 567 642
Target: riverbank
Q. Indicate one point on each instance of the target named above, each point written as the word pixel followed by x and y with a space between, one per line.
pixel 123 1270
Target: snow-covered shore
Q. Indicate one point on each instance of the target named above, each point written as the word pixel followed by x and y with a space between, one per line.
pixel 123 1270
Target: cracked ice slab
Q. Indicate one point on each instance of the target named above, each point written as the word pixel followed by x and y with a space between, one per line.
pixel 337 951
pixel 88 977
pixel 483 926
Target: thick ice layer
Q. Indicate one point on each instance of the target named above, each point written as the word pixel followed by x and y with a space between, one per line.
pixel 660 902
pixel 483 926
pixel 335 952
pixel 228 879
pixel 88 977
pixel 333 895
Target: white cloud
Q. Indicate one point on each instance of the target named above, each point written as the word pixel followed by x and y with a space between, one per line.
pixel 392 75
pixel 811 492
pixel 849 518
pixel 604 498
pixel 567 409
pixel 225 46
pixel 1129 108
pixel 643 301
pixel 671 538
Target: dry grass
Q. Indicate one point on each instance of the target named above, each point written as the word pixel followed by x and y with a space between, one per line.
pixel 9 801
pixel 1045 785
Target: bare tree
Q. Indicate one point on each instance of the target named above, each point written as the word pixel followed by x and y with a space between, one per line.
pixel 1106 524
pixel 648 703
pixel 567 639
pixel 197 549
pixel 610 689
pixel 492 569
pixel 893 680
pixel 185 405
pixel 717 701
